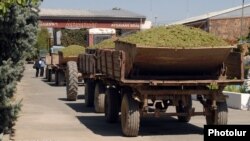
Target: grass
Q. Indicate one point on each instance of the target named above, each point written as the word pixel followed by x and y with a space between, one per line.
pixel 235 88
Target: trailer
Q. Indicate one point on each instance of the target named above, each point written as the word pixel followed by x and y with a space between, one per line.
pixel 52 61
pixel 94 89
pixel 143 81
pixel 66 72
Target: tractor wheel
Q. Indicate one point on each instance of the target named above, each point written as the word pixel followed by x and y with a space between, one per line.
pixel 112 105
pixel 184 109
pixel 60 78
pixel 99 97
pixel 130 116
pixel 89 92
pixel 50 75
pixel 219 116
pixel 72 81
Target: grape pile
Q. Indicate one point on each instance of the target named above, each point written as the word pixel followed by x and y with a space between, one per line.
pixel 108 43
pixel 171 36
pixel 174 36
pixel 72 50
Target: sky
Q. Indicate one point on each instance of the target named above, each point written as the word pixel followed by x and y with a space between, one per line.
pixel 157 11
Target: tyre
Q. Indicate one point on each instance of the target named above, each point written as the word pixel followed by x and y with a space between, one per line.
pixel 184 109
pixel 49 75
pixel 46 73
pixel 99 97
pixel 89 92
pixel 60 78
pixel 72 81
pixel 130 116
pixel 56 77
pixel 220 116
pixel 112 105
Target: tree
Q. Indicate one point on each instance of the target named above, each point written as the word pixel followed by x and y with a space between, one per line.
pixel 18 29
pixel 6 4
pixel 74 37
pixel 42 43
pixel 42 39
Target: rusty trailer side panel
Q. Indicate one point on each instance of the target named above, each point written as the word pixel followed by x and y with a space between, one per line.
pixel 172 61
pixel 112 64
pixel 87 64
pixel 234 66
pixel 52 59
pixel 109 63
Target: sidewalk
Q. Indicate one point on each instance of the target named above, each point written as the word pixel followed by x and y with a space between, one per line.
pixel 44 116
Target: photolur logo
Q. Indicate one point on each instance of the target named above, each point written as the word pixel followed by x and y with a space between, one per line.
pixel 226 132
pixel 214 132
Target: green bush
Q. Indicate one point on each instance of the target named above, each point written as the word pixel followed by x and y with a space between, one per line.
pixel 42 43
pixel 235 88
pixel 74 37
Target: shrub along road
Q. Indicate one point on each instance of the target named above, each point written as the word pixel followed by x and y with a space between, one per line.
pixel 47 116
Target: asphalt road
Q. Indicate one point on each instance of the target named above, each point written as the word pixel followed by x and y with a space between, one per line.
pixel 47 116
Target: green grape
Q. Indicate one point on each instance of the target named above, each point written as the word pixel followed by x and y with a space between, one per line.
pixel 175 36
pixel 72 50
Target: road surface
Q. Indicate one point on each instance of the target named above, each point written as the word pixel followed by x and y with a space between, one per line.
pixel 47 116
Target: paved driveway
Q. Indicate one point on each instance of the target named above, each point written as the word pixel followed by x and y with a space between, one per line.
pixel 47 116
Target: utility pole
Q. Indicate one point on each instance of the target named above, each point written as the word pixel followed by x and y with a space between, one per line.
pixel 155 20
pixel 241 22
pixel 187 12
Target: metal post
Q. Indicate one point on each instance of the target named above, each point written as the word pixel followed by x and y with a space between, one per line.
pixel 155 20
pixel 187 12
pixel 241 22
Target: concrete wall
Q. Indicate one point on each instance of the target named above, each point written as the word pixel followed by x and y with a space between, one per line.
pixel 238 100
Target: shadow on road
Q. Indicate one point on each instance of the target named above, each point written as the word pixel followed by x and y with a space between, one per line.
pixel 148 126
pixel 99 126
pixel 53 84
pixel 80 107
pixel 78 98
pixel 167 126
pixel 62 99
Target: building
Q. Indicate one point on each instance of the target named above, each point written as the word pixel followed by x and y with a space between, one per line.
pixel 228 24
pixel 121 20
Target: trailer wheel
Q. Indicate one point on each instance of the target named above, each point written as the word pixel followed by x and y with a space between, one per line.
pixel 46 73
pixel 184 109
pixel 60 78
pixel 130 116
pixel 218 117
pixel 99 97
pixel 71 81
pixel 56 77
pixel 49 75
pixel 89 92
pixel 112 105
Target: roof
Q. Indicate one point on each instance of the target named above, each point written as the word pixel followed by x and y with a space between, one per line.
pixel 227 13
pixel 86 14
